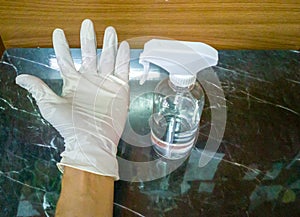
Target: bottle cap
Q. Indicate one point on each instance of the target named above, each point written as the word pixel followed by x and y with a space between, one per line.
pixel 182 80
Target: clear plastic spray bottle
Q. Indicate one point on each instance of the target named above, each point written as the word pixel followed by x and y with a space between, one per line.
pixel 178 100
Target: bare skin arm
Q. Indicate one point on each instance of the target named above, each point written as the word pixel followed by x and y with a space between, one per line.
pixel 85 194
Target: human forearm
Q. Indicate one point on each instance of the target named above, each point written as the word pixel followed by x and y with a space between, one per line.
pixel 85 194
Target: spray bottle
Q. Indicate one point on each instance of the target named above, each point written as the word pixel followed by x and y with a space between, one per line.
pixel 178 100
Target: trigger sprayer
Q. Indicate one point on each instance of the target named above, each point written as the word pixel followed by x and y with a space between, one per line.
pixel 178 101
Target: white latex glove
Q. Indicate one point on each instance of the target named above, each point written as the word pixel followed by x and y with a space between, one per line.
pixel 91 112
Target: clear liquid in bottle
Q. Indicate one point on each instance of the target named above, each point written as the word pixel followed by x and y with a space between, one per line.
pixel 175 120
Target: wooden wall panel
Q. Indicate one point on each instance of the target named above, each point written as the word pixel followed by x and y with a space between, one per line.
pixel 223 24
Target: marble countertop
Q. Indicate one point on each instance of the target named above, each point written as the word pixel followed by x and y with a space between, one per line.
pixel 255 172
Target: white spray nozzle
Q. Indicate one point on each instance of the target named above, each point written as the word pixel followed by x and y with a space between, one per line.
pixel 183 60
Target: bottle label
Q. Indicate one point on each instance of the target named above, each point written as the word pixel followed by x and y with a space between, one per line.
pixel 172 147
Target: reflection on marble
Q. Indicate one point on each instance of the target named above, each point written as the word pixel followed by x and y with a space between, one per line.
pixel 256 171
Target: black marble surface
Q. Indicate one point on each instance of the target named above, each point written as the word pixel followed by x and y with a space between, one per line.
pixel 256 171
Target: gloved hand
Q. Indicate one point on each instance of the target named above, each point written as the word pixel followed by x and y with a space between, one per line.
pixel 91 112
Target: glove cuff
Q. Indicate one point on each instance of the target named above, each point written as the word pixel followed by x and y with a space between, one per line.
pixel 94 156
pixel 62 165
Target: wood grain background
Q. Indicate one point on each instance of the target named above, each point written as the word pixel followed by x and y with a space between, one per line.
pixel 222 24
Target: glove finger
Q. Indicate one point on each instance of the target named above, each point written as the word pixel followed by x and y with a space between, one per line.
pixel 88 47
pixel 62 52
pixel 122 62
pixel 39 90
pixel 109 51
pixel 64 59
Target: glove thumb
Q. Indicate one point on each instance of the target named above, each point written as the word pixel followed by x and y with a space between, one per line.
pixel 35 86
